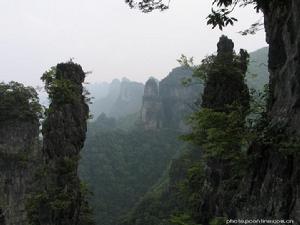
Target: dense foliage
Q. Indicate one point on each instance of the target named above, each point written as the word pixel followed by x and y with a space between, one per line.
pixel 19 102
pixel 62 89
pixel 120 165
pixel 209 173
pixel 123 195
pixel 58 195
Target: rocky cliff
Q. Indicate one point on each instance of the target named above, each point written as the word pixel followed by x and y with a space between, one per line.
pixel 123 94
pixel 178 101
pixel 271 188
pixel 151 109
pixel 19 148
pixel 167 104
pixel 129 99
pixel 59 198
pixel 225 93
pixel 104 104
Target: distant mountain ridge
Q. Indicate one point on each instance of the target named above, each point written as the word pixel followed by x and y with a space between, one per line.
pixel 127 169
pixel 123 94
pixel 167 104
pixel 258 74
pixel 122 98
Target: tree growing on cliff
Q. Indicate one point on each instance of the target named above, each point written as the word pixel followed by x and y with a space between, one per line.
pixel 219 130
pixel 270 167
pixel 60 197
pixel 18 102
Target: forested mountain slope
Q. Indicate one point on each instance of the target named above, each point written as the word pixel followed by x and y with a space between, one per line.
pixel 127 165
pixel 194 186
pixel 120 166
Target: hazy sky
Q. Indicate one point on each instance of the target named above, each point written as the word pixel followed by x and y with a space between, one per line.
pixel 108 38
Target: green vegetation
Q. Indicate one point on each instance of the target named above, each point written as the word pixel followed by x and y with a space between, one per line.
pixel 58 196
pixel 57 199
pixel 62 90
pixel 218 133
pixel 209 173
pixel 120 165
pixel 221 11
pixel 19 102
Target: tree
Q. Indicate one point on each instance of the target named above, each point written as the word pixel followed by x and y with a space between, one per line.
pixel 19 102
pixel 283 115
pixel 219 17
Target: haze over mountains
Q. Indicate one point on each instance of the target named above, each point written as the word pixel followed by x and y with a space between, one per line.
pixel 133 138
pixel 108 98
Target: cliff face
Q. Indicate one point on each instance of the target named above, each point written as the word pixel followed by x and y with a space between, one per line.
pixel 216 182
pixel 178 101
pixel 59 198
pixel 129 99
pixel 124 94
pixel 271 188
pixel 282 29
pixel 19 147
pixel 18 150
pixel 167 104
pixel 150 112
pixel 104 105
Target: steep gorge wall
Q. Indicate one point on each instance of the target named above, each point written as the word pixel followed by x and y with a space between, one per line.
pixel 271 187
pixel 178 101
pixel 19 149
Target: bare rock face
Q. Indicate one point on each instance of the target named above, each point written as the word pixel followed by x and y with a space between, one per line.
pixel 150 112
pixel 19 147
pixel 282 28
pixel 178 101
pixel 271 187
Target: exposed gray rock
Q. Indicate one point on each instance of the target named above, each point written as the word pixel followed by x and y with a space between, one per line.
pixel 167 104
pixel 19 147
pixel 271 187
pixel 129 100
pixel 150 112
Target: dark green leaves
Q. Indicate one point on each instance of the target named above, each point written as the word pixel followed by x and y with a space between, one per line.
pixel 147 6
pixel 220 18
pixel 19 102
pixel 221 3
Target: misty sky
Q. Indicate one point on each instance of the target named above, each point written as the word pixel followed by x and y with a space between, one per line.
pixel 108 38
